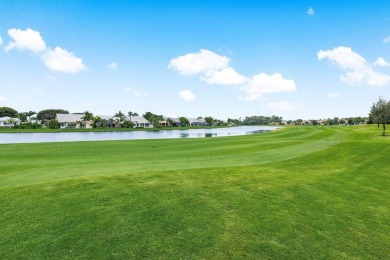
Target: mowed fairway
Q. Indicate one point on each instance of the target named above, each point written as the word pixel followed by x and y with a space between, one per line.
pixel 296 193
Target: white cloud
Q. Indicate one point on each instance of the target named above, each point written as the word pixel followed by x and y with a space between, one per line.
pixel 333 95
pixel 1 41
pixel 187 95
pixel 381 62
pixel 387 39
pixel 284 106
pixel 194 63
pixel 214 69
pixel 357 70
pixel 63 61
pixel 112 66
pixel 227 76
pixel 127 89
pixel 56 60
pixel 26 39
pixel 263 84
pixel 344 57
pixel 2 99
pixel 310 11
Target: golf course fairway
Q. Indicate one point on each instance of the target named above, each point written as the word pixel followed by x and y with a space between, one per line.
pixel 305 192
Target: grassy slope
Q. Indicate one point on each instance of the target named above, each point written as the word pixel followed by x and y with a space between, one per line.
pixel 305 192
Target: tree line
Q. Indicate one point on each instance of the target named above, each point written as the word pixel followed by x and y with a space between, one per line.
pixel 379 114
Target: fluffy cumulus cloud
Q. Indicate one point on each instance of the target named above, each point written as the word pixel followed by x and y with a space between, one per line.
pixel 284 106
pixel 357 71
pixel 264 84
pixel 215 69
pixel 1 40
pixel 202 61
pixel 25 40
pixel 187 95
pixel 226 76
pixel 387 39
pixel 63 61
pixel 58 59
pixel 381 62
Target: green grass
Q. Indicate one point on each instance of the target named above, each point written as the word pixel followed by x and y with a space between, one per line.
pixel 295 193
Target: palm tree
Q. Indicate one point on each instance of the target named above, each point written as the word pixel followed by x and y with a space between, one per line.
pixel 96 120
pixel 87 116
pixel 130 115
pixel 10 121
pixel 120 115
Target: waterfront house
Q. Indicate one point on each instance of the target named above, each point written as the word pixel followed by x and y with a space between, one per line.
pixel 72 121
pixel 9 121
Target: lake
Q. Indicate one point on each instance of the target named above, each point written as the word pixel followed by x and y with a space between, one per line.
pixel 13 138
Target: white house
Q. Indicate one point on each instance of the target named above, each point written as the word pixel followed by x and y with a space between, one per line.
pixel 9 121
pixel 197 121
pixel 139 121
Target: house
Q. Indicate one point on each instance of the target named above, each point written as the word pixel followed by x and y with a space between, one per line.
pixel 72 121
pixel 197 122
pixel 9 121
pixel 139 121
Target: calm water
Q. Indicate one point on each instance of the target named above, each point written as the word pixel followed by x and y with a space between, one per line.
pixel 132 135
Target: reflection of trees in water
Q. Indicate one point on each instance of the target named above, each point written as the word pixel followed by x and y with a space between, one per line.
pixel 184 135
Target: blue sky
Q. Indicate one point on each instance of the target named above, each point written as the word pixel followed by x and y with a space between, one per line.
pixel 296 59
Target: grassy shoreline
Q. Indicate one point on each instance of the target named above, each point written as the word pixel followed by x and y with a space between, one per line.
pixel 299 192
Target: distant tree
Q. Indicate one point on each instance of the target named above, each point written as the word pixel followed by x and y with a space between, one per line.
pixel 148 115
pixel 22 116
pixel 342 121
pixel 49 114
pixel 314 122
pixel 184 121
pixel 130 114
pixel 7 111
pixel 209 120
pixel 96 122
pixel 87 116
pixel 171 122
pixel 120 115
pixel 380 112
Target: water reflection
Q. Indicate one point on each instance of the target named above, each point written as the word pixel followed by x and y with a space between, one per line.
pixel 131 135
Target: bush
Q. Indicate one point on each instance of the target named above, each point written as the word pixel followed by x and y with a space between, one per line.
pixel 28 126
pixel 54 124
